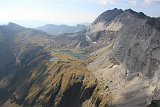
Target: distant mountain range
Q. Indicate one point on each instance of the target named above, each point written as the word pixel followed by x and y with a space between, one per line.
pixel 60 29
pixel 121 69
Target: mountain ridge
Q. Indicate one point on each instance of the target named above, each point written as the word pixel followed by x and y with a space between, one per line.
pixel 121 69
pixel 60 29
pixel 127 44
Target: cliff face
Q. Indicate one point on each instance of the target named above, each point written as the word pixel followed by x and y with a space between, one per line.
pixel 122 68
pixel 135 39
pixel 129 57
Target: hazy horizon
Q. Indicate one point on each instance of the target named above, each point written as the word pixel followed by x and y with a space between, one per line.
pixel 35 13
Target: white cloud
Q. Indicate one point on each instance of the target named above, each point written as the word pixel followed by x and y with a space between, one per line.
pixel 132 2
pixel 104 2
pixel 151 1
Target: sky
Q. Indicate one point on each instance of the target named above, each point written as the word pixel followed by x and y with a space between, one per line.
pixel 35 13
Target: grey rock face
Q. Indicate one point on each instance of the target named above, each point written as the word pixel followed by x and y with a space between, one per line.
pixel 108 16
pixel 138 49
pixel 135 37
pixel 132 41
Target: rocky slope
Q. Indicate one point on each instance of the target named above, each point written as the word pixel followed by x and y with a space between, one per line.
pixel 121 68
pixel 71 41
pixel 128 62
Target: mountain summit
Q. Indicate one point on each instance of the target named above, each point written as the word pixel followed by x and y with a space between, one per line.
pixel 129 40
pixel 114 63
